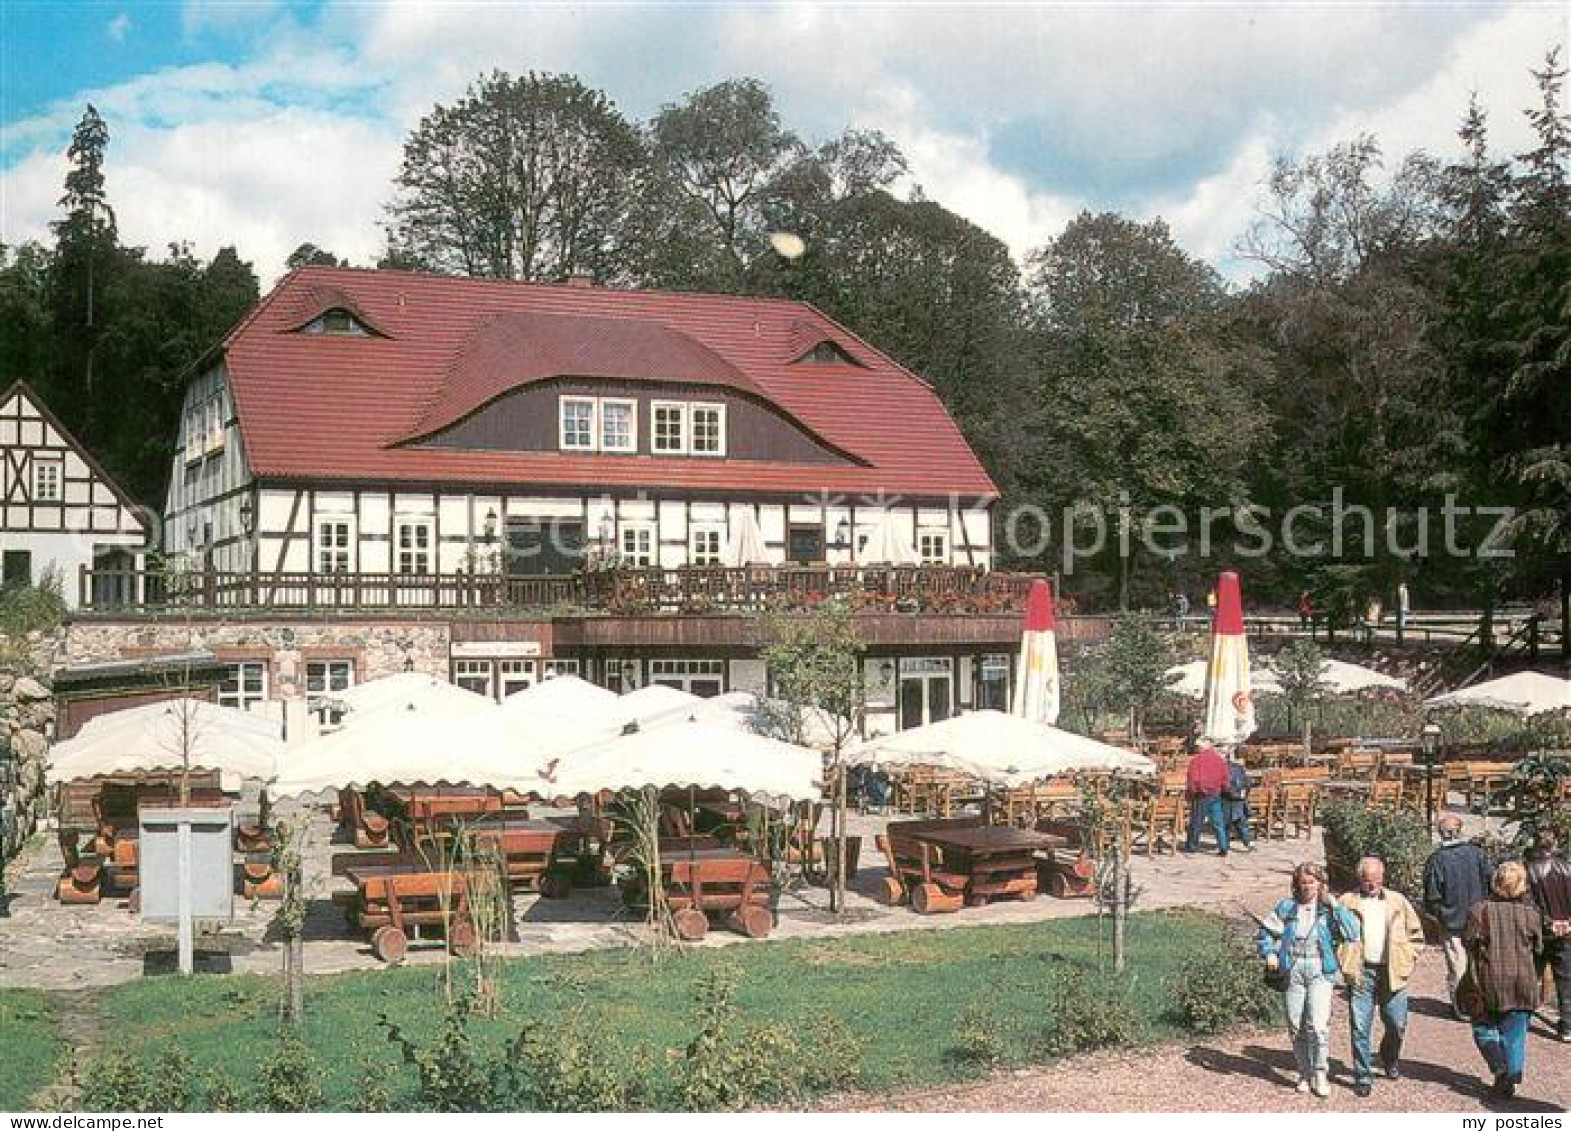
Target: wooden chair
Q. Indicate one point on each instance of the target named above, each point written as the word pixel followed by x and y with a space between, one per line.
pixel 1358 765
pixel 737 888
pixel 1262 810
pixel 1387 792
pixel 917 875
pixel 1295 809
pixel 1160 820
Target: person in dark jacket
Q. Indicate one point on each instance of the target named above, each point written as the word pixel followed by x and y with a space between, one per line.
pixel 1456 876
pixel 1549 877
pixel 1504 934
pixel 1236 798
pixel 1205 783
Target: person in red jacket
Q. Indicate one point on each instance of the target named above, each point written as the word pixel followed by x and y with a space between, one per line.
pixel 1206 783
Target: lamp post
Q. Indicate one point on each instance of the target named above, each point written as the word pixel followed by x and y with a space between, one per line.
pixel 1430 738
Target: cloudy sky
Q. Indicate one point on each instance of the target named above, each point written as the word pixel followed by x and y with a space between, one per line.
pixel 265 124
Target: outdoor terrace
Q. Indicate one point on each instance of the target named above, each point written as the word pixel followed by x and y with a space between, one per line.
pixel 689 590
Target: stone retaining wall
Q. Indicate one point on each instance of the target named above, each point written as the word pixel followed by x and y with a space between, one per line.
pixel 378 648
pixel 27 714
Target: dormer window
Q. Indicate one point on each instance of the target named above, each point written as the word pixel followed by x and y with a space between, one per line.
pixel 340 322
pixel 826 353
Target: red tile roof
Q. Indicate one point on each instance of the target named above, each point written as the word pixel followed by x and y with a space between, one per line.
pixel 329 407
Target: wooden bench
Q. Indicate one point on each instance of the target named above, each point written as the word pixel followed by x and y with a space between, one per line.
pixel 738 888
pixel 392 904
pixel 1070 872
pixel 82 879
pixel 917 875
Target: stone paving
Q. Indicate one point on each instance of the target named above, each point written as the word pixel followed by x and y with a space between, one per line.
pixel 45 945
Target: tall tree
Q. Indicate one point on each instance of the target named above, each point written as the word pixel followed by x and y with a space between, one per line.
pixel 528 178
pixel 1144 403
pixel 85 246
pixel 723 150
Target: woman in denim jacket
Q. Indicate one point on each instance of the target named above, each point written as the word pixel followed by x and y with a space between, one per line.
pixel 1299 938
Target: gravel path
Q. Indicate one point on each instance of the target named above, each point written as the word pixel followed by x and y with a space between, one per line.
pixel 1442 1072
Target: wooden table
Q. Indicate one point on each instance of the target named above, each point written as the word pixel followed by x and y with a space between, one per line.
pixel 1351 787
pixel 998 860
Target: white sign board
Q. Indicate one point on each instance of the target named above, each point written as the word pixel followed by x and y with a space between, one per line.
pixel 185 866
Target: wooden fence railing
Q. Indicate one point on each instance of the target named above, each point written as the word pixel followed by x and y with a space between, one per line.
pixel 627 591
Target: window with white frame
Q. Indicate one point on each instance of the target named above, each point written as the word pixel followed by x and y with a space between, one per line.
pixel 243 685
pixel 933 546
pixel 553 668
pixel 322 679
pixel 474 675
pixel 638 544
pixel 668 428
pixel 578 424
pixel 704 546
pixel 516 676
pixel 413 546
pixel 708 429
pixel 215 423
pixel 704 678
pixel 333 545
pixel 46 481
pixel 195 431
pixel 618 425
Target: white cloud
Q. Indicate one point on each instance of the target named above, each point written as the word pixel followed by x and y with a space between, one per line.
pixel 117 28
pixel 1015 117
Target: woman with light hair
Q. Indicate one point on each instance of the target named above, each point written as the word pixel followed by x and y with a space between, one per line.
pixel 1298 942
pixel 1504 934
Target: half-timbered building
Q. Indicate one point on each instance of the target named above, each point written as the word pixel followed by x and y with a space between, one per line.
pixel 571 478
pixel 63 515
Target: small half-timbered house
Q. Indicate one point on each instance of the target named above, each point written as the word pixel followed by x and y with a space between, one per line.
pixel 62 512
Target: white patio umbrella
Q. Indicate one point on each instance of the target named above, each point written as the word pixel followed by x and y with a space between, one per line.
pixel 1523 693
pixel 1191 680
pixel 694 755
pixel 161 737
pixel 406 689
pixel 998 748
pixel 884 546
pixel 564 696
pixel 410 747
pixel 646 702
pixel 754 713
pixel 1229 694
pixel 1036 677
pixel 746 544
pixel 1348 679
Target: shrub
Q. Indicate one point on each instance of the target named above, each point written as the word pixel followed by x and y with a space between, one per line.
pixel 32 608
pixel 1538 778
pixel 222 1095
pixel 976 1038
pixel 563 1066
pixel 122 1083
pixel 1214 992
pixel 450 1077
pixel 733 1063
pixel 833 1062
pixel 1083 1016
pixel 1354 829
pixel 289 1079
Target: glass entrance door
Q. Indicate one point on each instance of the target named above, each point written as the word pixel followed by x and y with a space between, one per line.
pixel 926 692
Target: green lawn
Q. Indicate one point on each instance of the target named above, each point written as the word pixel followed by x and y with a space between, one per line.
pixel 30 1049
pixel 903 993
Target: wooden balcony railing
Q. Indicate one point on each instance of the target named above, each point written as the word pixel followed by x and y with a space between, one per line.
pixel 623 591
